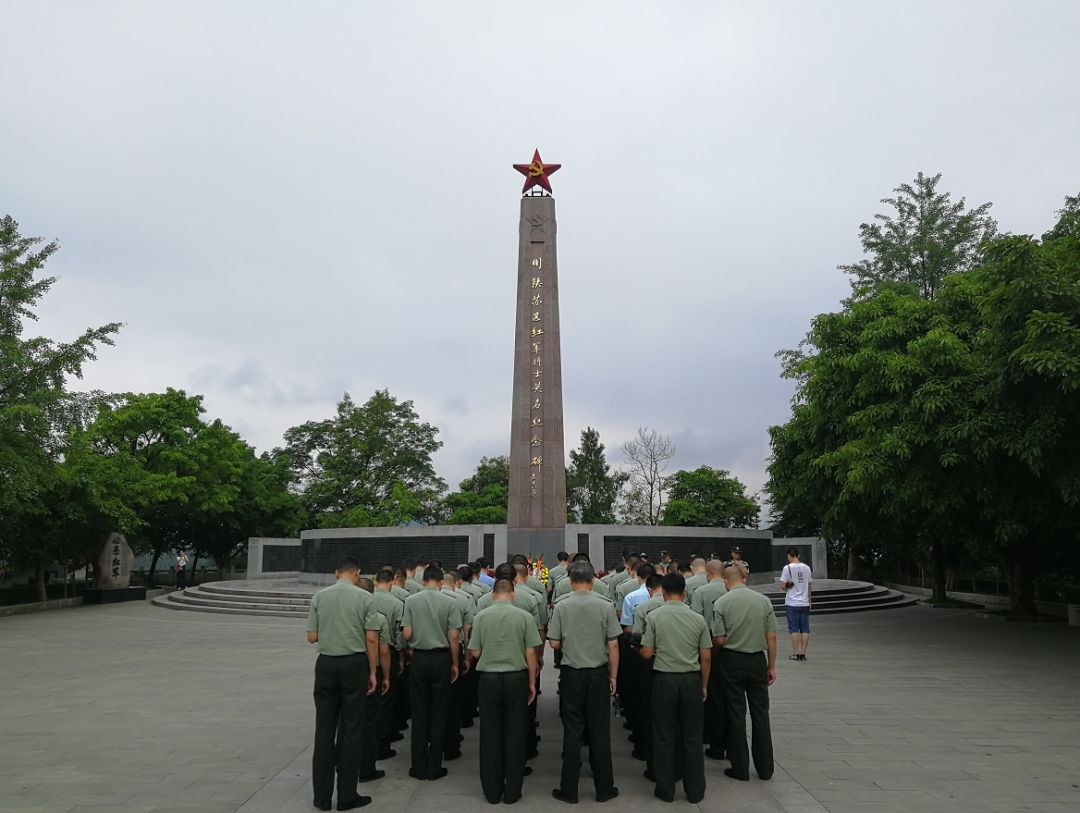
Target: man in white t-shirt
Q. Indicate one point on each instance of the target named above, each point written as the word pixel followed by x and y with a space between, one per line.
pixel 796 579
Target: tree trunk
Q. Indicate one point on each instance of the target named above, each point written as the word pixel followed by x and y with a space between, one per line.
pixel 40 594
pixel 852 561
pixel 938 552
pixel 194 565
pixel 153 567
pixel 1021 586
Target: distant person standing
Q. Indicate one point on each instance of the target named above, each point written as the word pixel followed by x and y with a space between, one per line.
pixel 432 626
pixel 715 706
pixel 744 625
pixel 697 579
pixel 736 557
pixel 678 643
pixel 343 622
pixel 796 579
pixel 503 645
pixel 583 627
pixel 181 570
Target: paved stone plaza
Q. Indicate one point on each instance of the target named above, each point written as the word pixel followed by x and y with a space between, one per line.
pixel 133 708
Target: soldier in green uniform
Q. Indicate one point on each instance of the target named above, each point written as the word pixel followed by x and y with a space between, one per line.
pixel 369 730
pixel 697 577
pixel 344 623
pixel 562 559
pixel 562 587
pixel 716 704
pixel 583 627
pixel 432 625
pixel 504 645
pixel 677 641
pixel 744 625
pixel 387 603
pixel 469 585
pixel 451 587
pixel 615 578
pixel 643 738
pixel 400 578
pixel 412 578
pixel 479 583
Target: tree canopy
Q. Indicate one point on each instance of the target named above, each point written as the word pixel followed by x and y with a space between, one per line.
pixel 708 497
pixel 592 488
pixel 482 498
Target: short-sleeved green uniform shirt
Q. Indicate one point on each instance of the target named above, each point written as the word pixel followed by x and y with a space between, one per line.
pixel 584 623
pixel 384 630
pixel 534 583
pixel 744 617
pixel 524 599
pixel 556 573
pixel 642 610
pixel 400 592
pixel 412 586
pixel 472 591
pixel 393 608
pixel 339 614
pixel 676 634
pixel 613 580
pixel 465 605
pixel 431 614
pixel 484 588
pixel 564 586
pixel 705 597
pixel 625 588
pixel 693 583
pixel 501 634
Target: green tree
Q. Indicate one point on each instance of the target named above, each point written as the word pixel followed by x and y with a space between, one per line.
pixel 709 498
pixel 349 467
pixel 592 488
pixel 482 498
pixel 926 238
pixel 34 373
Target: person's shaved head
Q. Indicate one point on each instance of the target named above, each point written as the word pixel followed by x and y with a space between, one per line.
pixel 715 568
pixel 365 583
pixel 734 573
pixel 697 565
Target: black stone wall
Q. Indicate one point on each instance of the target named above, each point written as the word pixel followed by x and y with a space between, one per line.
pixel 281 558
pixel 323 555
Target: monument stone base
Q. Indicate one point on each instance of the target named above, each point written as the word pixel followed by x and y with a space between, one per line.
pixel 112 595
pixel 546 542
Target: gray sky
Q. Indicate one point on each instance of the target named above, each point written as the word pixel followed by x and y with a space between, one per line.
pixel 284 201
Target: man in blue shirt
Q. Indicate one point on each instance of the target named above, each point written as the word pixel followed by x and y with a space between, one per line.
pixel 484 576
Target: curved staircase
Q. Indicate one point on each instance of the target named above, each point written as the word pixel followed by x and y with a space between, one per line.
pixel 290 599
pixel 286 599
pixel 831 596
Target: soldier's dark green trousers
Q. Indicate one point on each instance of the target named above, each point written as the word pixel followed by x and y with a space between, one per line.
pixel 584 699
pixel 716 707
pixel 504 721
pixel 340 704
pixel 386 726
pixel 677 728
pixel 429 689
pixel 746 682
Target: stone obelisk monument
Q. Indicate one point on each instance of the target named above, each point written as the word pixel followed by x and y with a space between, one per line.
pixel 536 516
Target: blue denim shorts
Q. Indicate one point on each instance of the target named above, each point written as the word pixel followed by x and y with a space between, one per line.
pixel 798 619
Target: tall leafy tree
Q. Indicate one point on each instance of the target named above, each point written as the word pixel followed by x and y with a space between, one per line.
pixel 482 498
pixel 925 238
pixel 592 488
pixel 370 463
pixel 709 498
pixel 34 374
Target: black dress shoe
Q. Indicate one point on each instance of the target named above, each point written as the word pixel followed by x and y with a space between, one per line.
pixel 451 756
pixel 533 754
pixel 662 797
pixel 764 777
pixel 438 774
pixel 509 800
pixel 639 755
pixel 648 774
pixel 389 753
pixel 359 801
pixel 371 777
pixel 528 771
pixel 731 772
pixel 323 805
pixel 466 723
pixel 607 797
pixel 415 775
pixel 563 797
pixel 716 753
pixel 397 737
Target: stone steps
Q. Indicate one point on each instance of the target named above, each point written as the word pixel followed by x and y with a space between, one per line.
pixel 831 596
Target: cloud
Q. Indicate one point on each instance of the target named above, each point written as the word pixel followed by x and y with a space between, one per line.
pixel 286 201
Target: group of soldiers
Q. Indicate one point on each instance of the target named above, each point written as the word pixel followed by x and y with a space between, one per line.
pixel 677 650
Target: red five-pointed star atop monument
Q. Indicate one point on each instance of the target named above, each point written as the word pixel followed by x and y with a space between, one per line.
pixel 536 173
